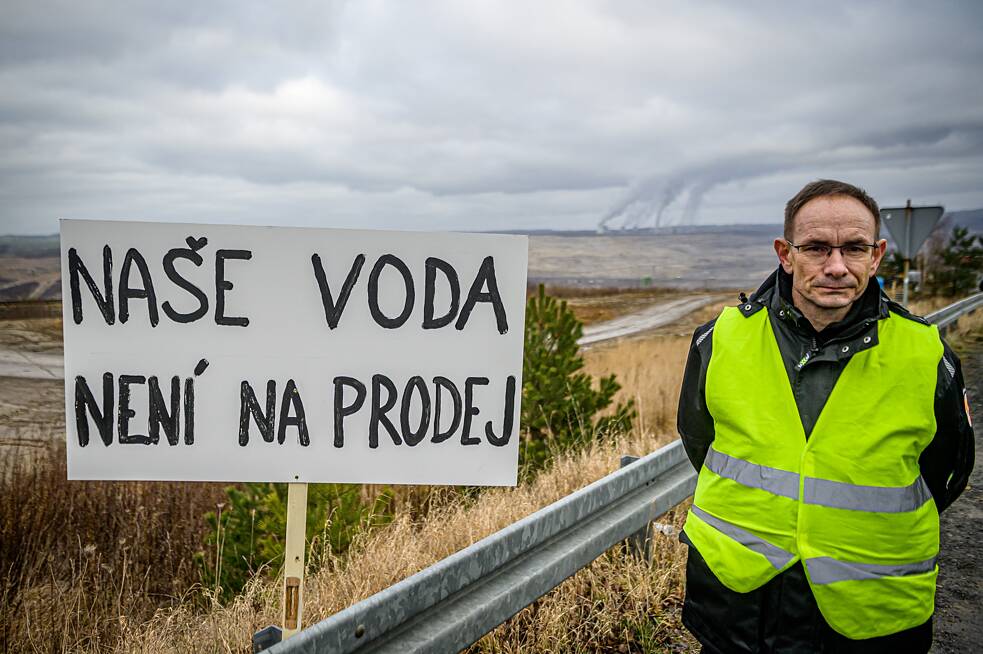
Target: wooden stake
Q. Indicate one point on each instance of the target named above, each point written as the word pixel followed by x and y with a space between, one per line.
pixel 293 568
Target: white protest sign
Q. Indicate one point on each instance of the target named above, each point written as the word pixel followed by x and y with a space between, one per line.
pixel 229 353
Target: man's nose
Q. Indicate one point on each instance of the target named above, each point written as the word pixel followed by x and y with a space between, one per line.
pixel 835 265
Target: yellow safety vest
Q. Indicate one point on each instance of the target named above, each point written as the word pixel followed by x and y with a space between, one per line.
pixel 850 502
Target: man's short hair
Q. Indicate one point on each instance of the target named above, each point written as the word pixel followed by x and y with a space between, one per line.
pixel 824 187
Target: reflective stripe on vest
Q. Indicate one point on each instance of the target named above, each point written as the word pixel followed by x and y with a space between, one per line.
pixel 876 499
pixel 826 570
pixel 775 555
pixel 822 570
pixel 834 494
pixel 849 500
pixel 752 475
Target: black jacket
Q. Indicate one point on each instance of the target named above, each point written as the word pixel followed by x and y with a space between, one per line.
pixel 782 615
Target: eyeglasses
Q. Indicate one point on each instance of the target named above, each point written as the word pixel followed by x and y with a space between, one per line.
pixel 817 252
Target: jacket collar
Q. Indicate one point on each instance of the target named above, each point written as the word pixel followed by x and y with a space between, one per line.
pixel 776 294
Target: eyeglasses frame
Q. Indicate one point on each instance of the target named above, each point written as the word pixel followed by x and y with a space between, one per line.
pixel 872 246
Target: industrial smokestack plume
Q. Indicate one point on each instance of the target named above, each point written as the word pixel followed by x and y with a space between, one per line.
pixel 646 202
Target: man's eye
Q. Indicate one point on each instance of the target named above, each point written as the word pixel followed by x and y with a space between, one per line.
pixel 814 249
pixel 854 249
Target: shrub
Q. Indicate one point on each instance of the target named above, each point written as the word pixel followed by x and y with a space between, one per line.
pixel 78 559
pixel 561 408
pixel 247 532
pixel 560 405
pixel 960 263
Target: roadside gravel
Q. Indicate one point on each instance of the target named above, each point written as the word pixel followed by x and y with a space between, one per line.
pixel 959 599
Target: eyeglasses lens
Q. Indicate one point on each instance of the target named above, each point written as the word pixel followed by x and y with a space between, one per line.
pixel 851 252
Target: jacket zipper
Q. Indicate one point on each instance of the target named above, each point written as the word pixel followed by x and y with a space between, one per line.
pixel 813 350
pixel 808 355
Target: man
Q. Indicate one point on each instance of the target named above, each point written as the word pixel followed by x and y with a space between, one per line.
pixel 828 427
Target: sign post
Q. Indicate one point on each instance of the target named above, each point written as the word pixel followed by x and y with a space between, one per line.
pixel 910 227
pixel 232 353
pixel 293 566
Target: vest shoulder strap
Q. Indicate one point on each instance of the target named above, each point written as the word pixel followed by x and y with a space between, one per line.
pixel 901 310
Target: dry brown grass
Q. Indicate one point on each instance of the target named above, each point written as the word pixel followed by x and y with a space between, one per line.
pixel 597 305
pixel 32 334
pixel 91 584
pixel 926 305
pixel 615 601
pixel 967 332
pixel 82 559
pixel 616 604
pixel 649 370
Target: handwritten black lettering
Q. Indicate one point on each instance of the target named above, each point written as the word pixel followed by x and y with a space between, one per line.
pixel 249 406
pixel 509 417
pixel 170 270
pixel 379 410
pixel 125 413
pixel 341 410
pixel 222 285
pixel 445 384
pixel 382 319
pixel 432 266
pixel 189 408
pixel 470 410
pixel 103 418
pixel 104 300
pixel 145 292
pixel 485 277
pixel 292 415
pixel 412 437
pixel 332 309
pixel 160 416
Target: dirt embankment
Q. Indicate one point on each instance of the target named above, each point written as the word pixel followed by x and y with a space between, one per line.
pixel 959 600
pixel 32 411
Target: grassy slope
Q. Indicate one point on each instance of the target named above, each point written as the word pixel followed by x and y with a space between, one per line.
pixel 616 601
pixel 617 604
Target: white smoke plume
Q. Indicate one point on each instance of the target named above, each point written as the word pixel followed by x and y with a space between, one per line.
pixel 646 202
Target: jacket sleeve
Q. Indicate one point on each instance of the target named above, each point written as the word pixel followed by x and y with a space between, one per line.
pixel 948 460
pixel 693 419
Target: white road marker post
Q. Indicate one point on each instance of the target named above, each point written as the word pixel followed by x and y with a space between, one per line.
pixel 293 568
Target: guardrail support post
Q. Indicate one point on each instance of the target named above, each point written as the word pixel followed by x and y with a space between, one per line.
pixel 266 638
pixel 640 543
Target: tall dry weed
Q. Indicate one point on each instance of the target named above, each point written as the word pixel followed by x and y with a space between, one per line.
pixel 84 560
pixel 592 604
pixel 967 332
pixel 616 604
pixel 649 371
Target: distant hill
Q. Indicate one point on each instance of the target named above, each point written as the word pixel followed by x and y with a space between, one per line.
pixel 744 229
pixel 30 265
pixel 970 218
pixel 29 247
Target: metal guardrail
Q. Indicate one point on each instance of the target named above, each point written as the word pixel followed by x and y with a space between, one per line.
pixel 456 601
pixel 453 603
pixel 946 316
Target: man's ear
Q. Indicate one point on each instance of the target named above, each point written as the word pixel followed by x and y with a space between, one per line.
pixel 878 255
pixel 784 251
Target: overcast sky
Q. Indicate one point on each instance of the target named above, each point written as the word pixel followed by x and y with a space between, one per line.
pixel 480 115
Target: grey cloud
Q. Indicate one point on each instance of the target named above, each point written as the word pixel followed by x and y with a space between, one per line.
pixel 535 114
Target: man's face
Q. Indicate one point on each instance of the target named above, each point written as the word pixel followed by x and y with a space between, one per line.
pixel 836 281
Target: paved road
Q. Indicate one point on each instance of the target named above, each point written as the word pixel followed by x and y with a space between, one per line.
pixel 657 315
pixel 31 365
pixel 50 365
pixel 959 601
